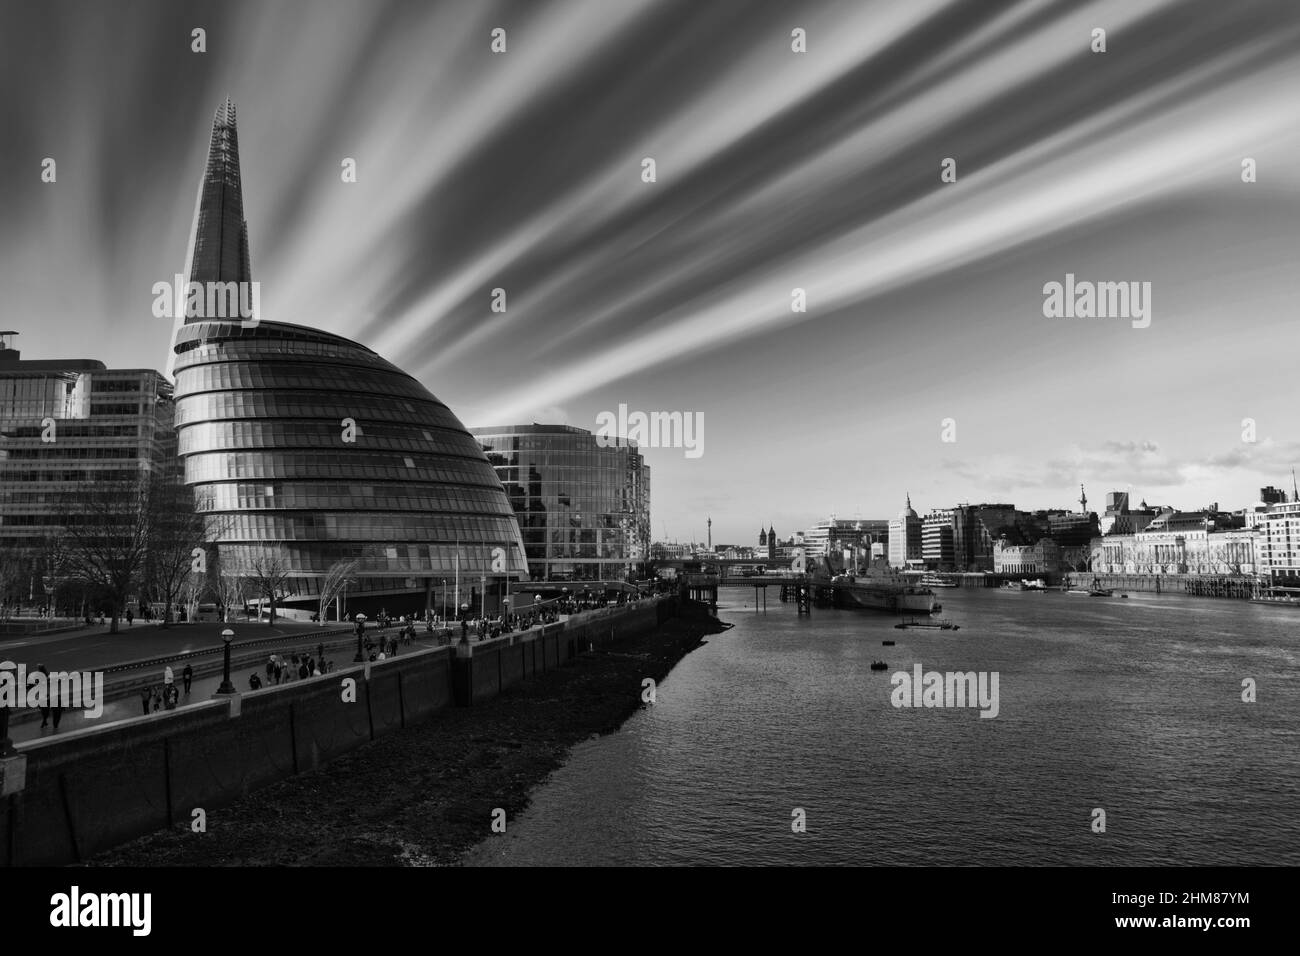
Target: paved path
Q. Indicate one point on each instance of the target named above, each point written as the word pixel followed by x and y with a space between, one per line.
pixel 94 648
pixel 200 692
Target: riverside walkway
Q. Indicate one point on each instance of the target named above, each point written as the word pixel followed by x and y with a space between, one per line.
pixel 138 655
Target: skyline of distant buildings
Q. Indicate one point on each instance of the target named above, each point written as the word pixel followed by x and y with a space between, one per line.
pixel 1259 541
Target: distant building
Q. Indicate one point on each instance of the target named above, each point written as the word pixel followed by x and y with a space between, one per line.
pixel 905 538
pixel 1272 496
pixel 1178 542
pixel 1119 518
pixel 1278 547
pixel 845 534
pixel 962 538
pixel 937 551
pixel 672 551
pixel 1042 559
pixel 977 529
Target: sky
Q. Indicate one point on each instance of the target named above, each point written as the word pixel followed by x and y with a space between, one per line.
pixel 924 362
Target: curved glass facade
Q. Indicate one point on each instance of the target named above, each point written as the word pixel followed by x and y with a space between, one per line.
pixel 313 446
pixel 583 509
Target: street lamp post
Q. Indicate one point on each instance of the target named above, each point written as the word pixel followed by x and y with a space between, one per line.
pixel 226 686
pixel 361 630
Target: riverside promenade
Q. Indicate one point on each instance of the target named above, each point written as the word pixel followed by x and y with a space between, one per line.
pixel 94 648
pixel 82 791
pixel 138 655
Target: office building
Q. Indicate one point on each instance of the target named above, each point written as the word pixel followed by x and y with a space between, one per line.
pixel 65 423
pixel 1278 548
pixel 583 508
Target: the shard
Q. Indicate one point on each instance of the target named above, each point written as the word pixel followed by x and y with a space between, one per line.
pixel 218 247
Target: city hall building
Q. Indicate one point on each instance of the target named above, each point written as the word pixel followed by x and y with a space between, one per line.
pixel 312 451
pixel 583 507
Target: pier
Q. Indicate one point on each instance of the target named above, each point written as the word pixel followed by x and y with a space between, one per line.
pixel 701 587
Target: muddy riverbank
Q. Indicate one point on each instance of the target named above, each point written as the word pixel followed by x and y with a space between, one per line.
pixel 426 794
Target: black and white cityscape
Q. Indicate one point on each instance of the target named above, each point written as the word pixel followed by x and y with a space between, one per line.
pixel 341 340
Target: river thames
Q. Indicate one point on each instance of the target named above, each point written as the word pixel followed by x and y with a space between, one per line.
pixel 1133 706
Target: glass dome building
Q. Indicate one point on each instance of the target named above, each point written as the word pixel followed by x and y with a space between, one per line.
pixel 310 450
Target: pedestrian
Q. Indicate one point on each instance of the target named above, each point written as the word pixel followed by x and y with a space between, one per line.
pixel 130 617
pixel 187 677
pixel 302 670
pixel 145 694
pixel 171 696
pixel 45 698
pixel 254 682
pixel 157 700
pixel 270 667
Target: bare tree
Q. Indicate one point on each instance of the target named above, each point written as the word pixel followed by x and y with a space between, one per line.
pixel 176 535
pixel 192 589
pixel 107 538
pixel 231 590
pixel 340 574
pixel 12 574
pixel 49 565
pixel 269 572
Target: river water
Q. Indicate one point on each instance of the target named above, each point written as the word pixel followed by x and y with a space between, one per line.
pixel 1133 706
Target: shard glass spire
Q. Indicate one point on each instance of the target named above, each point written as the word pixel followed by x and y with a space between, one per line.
pixel 218 250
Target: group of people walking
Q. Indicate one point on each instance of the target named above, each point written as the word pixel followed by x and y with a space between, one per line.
pixel 281 669
pixel 166 696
